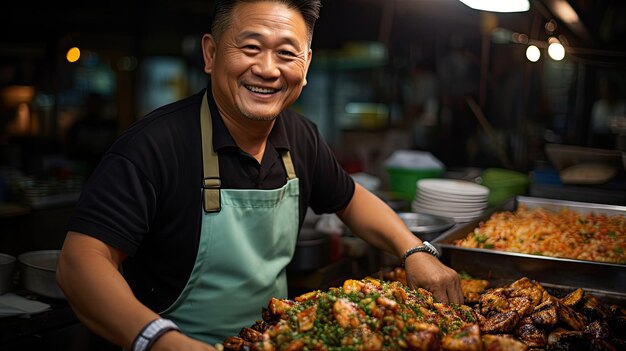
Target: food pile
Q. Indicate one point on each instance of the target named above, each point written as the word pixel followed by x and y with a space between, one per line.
pixel 372 315
pixel 563 233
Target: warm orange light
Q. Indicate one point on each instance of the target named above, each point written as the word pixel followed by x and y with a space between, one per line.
pixel 73 54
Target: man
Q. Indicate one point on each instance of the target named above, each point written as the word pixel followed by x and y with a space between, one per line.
pixel 183 233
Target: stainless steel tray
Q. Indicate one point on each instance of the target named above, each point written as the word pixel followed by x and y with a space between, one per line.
pixel 605 279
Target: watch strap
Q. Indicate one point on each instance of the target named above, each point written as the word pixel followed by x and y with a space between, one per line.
pixel 425 247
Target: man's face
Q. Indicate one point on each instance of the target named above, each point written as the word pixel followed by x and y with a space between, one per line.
pixel 259 66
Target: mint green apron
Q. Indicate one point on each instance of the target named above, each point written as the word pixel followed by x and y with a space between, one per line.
pixel 247 239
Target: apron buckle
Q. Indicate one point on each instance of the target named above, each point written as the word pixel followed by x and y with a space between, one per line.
pixel 211 194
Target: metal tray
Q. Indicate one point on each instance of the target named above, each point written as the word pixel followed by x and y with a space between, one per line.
pixel 605 279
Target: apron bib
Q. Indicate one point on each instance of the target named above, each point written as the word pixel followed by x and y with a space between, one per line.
pixel 247 239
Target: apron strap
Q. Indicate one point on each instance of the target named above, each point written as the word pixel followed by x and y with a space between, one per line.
pixel 291 171
pixel 211 183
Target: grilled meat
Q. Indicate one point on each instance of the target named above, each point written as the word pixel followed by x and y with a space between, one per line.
pixel 472 289
pixel 521 304
pixel 493 342
pixel 464 339
pixel 502 322
pixel 374 315
pixel 493 300
pixel 530 335
pixel 251 335
pixel 528 288
pixel 573 298
pixel 592 308
pixel 236 344
pixel 545 314
pixel 573 319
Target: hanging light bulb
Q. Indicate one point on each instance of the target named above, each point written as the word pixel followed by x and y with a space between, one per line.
pixel 532 53
pixel 556 51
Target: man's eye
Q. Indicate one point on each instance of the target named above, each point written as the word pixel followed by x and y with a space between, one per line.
pixel 287 53
pixel 251 47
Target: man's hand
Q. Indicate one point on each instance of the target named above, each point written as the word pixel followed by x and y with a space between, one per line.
pixel 426 271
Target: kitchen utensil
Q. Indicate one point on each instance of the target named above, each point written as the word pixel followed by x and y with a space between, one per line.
pixel 38 272
pixel 312 251
pixel 7 265
pixel 426 226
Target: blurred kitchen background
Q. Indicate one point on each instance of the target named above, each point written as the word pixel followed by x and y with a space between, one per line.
pixel 476 89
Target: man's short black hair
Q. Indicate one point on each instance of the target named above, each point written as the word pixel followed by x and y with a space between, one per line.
pixel 309 9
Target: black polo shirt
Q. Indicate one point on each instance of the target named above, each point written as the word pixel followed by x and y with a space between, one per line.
pixel 144 197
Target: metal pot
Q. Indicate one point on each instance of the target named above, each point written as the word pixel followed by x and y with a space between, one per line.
pixel 38 272
pixel 312 251
pixel 7 264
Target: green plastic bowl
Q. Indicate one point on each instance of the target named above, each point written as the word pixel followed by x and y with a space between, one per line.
pixel 403 181
pixel 503 184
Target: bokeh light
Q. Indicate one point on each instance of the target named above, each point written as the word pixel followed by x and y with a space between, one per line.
pixel 532 53
pixel 73 54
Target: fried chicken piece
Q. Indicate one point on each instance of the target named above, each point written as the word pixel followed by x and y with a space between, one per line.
pixel 493 300
pixel 446 312
pixel 235 343
pixel 347 314
pixel 472 288
pixel 530 335
pixel 251 335
pixel 311 295
pixel 507 342
pixel 545 314
pixel 467 338
pixel 521 304
pixel 306 318
pixel 573 319
pixel 593 309
pixel 260 326
pixel 502 322
pixel 573 298
pixel 528 288
pixel 277 307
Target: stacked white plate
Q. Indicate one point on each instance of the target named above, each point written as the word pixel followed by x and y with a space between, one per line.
pixel 459 199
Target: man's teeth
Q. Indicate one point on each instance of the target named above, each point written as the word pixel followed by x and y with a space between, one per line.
pixel 260 90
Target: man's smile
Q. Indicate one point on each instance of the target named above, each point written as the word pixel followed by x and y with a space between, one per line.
pixel 261 90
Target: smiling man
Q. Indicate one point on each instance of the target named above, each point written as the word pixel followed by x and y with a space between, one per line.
pixel 184 231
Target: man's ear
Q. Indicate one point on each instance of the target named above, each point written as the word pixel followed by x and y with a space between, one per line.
pixel 308 63
pixel 209 47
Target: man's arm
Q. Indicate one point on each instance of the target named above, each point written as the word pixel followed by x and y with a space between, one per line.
pixel 88 273
pixel 374 221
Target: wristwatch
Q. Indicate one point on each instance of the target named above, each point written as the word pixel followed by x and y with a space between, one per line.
pixel 425 247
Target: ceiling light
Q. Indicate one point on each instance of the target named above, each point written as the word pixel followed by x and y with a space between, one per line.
pixel 498 5
pixel 556 51
pixel 532 53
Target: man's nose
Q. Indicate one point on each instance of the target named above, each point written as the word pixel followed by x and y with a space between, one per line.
pixel 266 66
